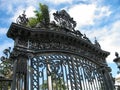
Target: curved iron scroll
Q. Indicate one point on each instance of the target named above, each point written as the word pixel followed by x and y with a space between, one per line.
pixel 6 64
pixel 65 72
pixel 64 20
pixel 6 70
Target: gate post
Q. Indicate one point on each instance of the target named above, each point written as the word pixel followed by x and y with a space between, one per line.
pixel 20 73
pixel 108 78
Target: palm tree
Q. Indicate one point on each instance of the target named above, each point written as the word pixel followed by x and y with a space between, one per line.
pixel 45 14
pixel 41 16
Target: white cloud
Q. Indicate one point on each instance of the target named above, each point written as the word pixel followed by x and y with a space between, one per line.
pixel 103 11
pixel 109 38
pixel 18 12
pixel 111 41
pixel 11 6
pixel 29 12
pixel 88 14
pixel 3 31
pixel 59 1
pixel 83 14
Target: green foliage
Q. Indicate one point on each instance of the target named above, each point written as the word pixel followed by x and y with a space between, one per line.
pixel 41 16
pixel 6 68
pixel 32 22
pixel 45 13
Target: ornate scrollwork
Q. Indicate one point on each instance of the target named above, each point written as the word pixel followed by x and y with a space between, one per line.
pixel 89 73
pixel 38 46
pixel 22 19
pixel 55 67
pixel 75 71
pixel 6 65
pixel 64 20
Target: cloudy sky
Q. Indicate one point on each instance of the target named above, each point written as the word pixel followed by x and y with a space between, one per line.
pixel 95 18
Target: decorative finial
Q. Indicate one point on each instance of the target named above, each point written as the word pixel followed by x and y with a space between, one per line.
pixel 116 54
pixel 97 43
pixel 23 12
pixel 22 19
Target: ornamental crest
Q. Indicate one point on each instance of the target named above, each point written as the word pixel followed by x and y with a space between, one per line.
pixel 64 20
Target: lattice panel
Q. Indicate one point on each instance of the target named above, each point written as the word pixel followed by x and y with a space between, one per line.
pixel 65 72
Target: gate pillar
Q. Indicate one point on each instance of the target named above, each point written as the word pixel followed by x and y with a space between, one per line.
pixel 20 73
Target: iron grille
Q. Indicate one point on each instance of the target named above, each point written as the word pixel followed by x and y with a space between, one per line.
pixel 65 72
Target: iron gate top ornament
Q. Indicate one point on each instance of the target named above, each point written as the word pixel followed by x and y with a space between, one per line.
pixel 22 19
pixel 61 38
pixel 64 20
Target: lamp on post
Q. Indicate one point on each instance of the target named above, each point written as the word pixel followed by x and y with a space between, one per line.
pixel 117 60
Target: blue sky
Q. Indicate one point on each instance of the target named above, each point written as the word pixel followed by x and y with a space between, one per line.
pixel 95 18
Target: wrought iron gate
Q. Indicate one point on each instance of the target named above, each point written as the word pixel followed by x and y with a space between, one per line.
pixel 66 72
pixel 57 58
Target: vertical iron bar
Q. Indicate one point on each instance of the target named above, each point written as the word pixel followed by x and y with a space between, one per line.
pixel 95 81
pixel 13 86
pixel 81 75
pixel 74 74
pixel 43 79
pixel 62 72
pixel 70 77
pixel 25 81
pixel 66 75
pixel 37 75
pixel 48 76
pixel 78 73
pixel 31 74
pixel 28 74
